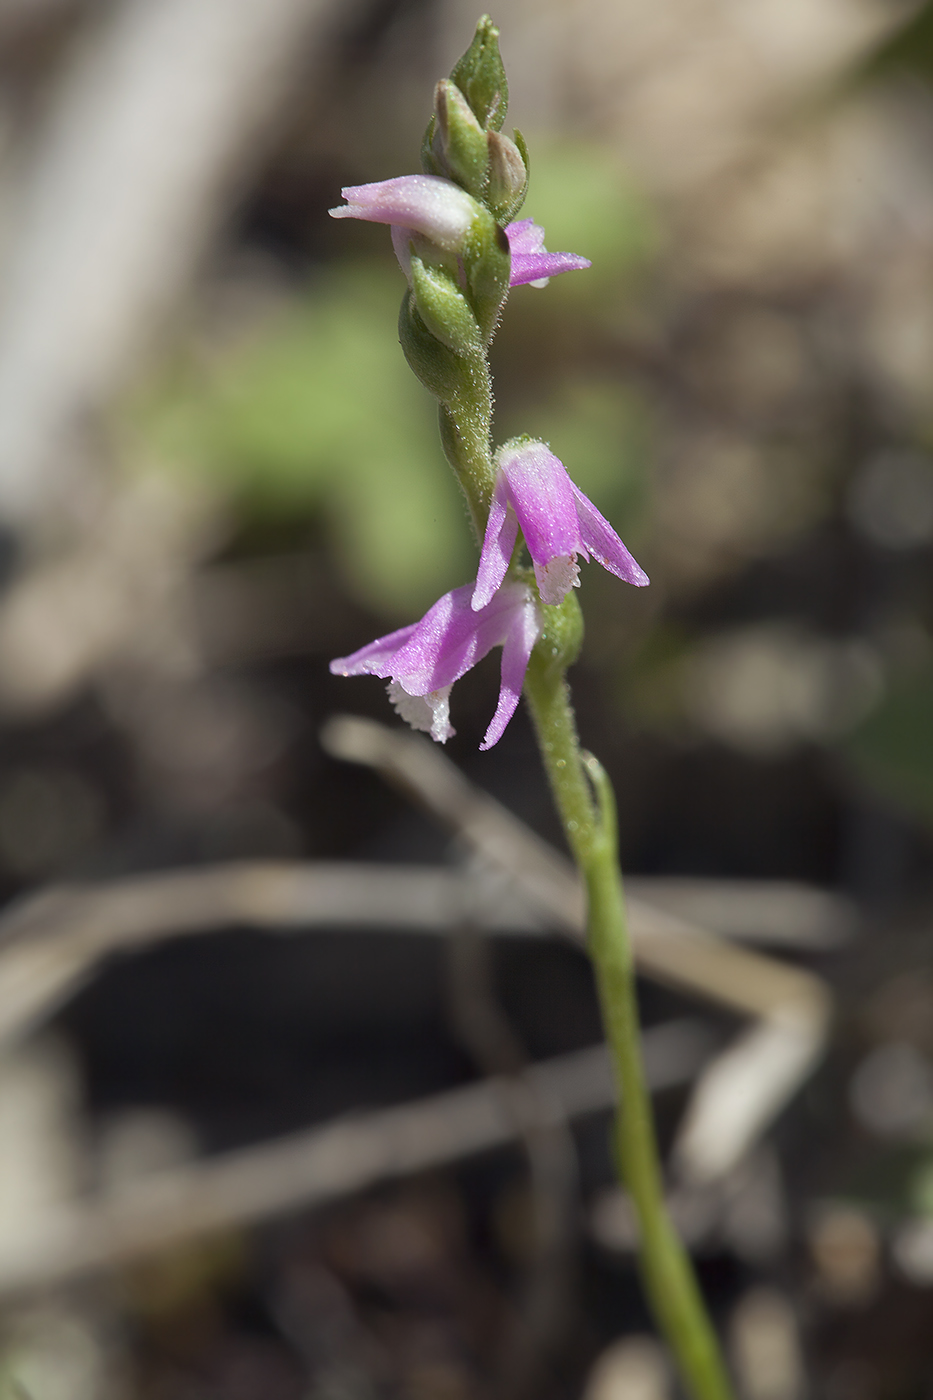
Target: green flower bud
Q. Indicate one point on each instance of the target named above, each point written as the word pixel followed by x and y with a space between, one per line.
pixel 480 76
pixel 508 176
pixel 458 141
pixel 442 372
pixel 444 309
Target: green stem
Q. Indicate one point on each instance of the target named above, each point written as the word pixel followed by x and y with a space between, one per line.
pixel 465 424
pixel 590 828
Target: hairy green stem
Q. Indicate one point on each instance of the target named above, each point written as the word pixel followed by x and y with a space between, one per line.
pixel 590 827
pixel 465 423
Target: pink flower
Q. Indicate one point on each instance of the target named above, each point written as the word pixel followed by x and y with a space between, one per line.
pixel 531 262
pixel 422 661
pixel 534 492
pixel 444 213
pixel 425 204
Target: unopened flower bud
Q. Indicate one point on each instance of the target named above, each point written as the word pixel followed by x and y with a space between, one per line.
pixel 508 176
pixel 480 76
pixel 444 309
pixel 458 141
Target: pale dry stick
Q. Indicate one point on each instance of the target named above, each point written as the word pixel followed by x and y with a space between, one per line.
pixel 775 913
pixel 324 1164
pixel 52 942
pixel 160 118
pixel 745 1088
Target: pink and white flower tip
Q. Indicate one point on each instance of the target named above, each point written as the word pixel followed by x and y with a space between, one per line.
pixel 534 493
pixel 426 204
pixel 421 662
pixel 531 261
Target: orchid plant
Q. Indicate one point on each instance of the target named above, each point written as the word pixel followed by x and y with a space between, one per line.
pixel 461 248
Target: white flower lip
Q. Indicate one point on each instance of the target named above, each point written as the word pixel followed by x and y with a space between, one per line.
pixel 429 713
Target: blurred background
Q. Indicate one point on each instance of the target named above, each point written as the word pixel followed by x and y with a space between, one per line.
pixel 216 473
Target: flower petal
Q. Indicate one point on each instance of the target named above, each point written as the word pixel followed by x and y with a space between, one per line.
pixel 438 208
pixel 375 659
pixel 401 242
pixel 423 661
pixel 531 262
pixel 604 544
pixel 449 640
pixel 525 236
pixel 542 496
pixel 498 543
pixel 524 631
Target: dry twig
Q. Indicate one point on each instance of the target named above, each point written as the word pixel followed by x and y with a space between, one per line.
pixel 749 1084
pixel 321 1165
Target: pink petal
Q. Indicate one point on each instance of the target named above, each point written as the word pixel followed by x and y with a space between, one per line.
pixel 451 638
pixel 375 659
pixel 542 496
pixel 531 262
pixel 498 543
pixel 604 544
pixel 525 236
pixel 524 631
pixel 537 267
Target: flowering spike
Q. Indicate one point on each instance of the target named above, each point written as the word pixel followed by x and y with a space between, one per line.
pixel 422 661
pixel 480 76
pixel 533 491
pixel 531 261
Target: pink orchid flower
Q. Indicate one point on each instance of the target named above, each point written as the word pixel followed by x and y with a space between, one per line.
pixel 425 204
pixel 533 492
pixel 444 213
pixel 422 661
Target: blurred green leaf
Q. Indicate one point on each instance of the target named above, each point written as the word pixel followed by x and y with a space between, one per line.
pixel 587 204
pixel 602 433
pixel 893 748
pixel 908 50
pixel 319 412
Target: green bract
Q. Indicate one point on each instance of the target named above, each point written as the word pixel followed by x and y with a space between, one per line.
pixel 444 309
pixel 480 76
pixel 458 142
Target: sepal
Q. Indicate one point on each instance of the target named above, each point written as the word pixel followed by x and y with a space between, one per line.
pixel 480 76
